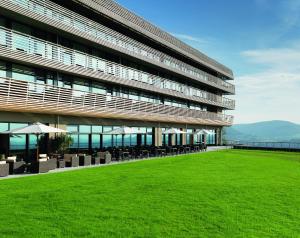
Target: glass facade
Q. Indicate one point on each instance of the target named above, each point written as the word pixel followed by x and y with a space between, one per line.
pixel 86 135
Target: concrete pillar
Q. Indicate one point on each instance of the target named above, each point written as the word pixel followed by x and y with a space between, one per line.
pixel 158 137
pixel 219 136
pixel 173 139
pixel 184 137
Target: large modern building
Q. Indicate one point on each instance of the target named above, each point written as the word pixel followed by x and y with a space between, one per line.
pixel 89 66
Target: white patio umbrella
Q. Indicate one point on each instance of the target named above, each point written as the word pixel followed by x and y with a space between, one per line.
pixel 124 130
pixel 36 129
pixel 203 132
pixel 173 131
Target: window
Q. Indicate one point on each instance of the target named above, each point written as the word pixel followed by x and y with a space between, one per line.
pixel 3 126
pixel 98 88
pixel 17 142
pixel 20 42
pixel 81 85
pixel 101 65
pixel 80 59
pixel 39 48
pixel 66 57
pixel 107 139
pixel 22 73
pixel 2 35
pixel 2 69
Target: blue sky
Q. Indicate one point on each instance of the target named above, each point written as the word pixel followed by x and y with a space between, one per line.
pixel 258 39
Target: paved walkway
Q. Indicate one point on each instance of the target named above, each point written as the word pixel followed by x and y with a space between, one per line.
pixel 209 149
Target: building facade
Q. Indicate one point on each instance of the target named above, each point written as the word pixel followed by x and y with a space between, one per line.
pixel 89 66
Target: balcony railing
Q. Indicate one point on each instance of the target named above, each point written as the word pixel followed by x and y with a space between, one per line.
pixel 57 53
pixel 23 96
pixel 93 29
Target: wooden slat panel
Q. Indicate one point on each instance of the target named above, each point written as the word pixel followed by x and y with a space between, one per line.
pixel 21 96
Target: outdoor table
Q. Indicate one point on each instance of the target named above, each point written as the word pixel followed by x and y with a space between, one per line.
pixel 61 163
pixel 174 150
pixel 124 154
pixel 187 148
pixel 145 152
pixel 161 151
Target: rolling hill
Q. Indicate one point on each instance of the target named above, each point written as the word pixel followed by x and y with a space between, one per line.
pixel 264 131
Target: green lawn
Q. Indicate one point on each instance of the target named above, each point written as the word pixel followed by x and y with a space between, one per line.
pixel 217 194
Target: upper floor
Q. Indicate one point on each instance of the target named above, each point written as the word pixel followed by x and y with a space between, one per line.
pixel 70 22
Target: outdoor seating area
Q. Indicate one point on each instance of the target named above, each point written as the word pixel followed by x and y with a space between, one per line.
pixel 11 165
pixel 43 162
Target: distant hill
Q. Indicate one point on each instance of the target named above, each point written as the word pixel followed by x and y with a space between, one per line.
pixel 264 131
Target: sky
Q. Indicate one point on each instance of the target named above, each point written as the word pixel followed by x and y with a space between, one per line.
pixel 258 39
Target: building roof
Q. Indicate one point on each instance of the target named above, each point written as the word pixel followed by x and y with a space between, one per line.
pixel 113 10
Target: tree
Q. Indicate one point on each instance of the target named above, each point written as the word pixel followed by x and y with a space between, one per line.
pixel 61 143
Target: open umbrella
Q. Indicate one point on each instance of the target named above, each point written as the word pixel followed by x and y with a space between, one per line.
pixel 37 129
pixel 124 130
pixel 173 131
pixel 203 132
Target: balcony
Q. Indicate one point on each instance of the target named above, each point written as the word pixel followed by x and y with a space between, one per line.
pixel 77 61
pixel 59 17
pixel 22 96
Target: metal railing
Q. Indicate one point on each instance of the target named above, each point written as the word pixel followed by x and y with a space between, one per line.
pixel 19 95
pixel 274 145
pixel 69 18
pixel 35 46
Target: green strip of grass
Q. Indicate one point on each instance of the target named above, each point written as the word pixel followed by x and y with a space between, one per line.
pixel 230 193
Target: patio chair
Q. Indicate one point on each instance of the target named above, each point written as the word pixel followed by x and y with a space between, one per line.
pixel 105 157
pixel 95 160
pixel 71 160
pixel 4 169
pixel 15 167
pixel 42 166
pixel 85 160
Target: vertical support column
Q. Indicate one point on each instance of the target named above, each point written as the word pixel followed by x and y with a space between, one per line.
pixel 157 136
pixel 139 139
pixel 172 139
pixel 183 137
pixel 218 137
pixel 27 151
pixel 101 141
pixel 90 143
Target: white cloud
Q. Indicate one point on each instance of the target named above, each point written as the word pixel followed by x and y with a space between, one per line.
pixel 273 93
pixel 186 37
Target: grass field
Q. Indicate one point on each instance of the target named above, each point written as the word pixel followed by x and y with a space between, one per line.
pixel 217 194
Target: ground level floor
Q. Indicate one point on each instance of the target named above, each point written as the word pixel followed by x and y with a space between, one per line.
pixel 88 134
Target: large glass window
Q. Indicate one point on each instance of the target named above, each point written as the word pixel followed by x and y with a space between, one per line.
pixel 2 68
pixel 188 136
pixel 39 48
pixel 96 131
pixel 98 88
pixel 107 139
pixel 73 130
pixel 2 32
pixel 17 142
pixel 3 126
pixel 23 73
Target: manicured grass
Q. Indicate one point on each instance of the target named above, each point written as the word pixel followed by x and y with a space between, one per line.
pixel 217 194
